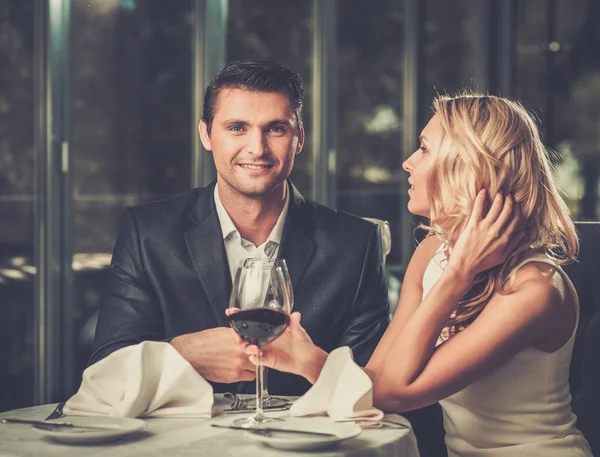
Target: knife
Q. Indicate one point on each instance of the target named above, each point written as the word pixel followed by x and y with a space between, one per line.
pixel 10 420
pixel 57 413
pixel 271 429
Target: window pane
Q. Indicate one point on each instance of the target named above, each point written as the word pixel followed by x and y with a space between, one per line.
pixel 131 127
pixel 369 107
pixel 17 232
pixel 558 77
pixel 531 56
pixel 281 31
pixel 450 50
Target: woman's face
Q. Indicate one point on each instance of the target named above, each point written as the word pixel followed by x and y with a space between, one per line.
pixel 418 165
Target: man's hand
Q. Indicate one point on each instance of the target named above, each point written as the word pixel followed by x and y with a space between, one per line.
pixel 215 355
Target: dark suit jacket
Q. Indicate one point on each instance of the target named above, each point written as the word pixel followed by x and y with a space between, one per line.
pixel 169 276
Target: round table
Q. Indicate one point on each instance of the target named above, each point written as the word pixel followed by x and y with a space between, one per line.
pixel 192 437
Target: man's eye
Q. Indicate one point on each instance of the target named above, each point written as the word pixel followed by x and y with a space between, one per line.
pixel 236 128
pixel 277 129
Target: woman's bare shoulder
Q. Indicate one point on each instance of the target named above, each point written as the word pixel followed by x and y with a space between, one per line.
pixel 421 257
pixel 549 295
pixel 542 278
pixel 428 247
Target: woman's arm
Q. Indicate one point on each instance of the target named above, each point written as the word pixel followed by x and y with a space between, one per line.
pixel 412 377
pixel 410 374
pixel 411 294
pixel 294 352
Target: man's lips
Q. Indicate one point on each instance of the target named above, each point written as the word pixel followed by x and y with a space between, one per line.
pixel 255 166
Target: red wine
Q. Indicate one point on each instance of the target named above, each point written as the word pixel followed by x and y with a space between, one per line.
pixel 259 326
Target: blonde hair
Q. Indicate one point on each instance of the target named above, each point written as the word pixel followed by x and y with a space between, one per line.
pixel 493 143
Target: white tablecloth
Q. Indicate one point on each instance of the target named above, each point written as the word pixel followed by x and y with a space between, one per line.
pixel 192 437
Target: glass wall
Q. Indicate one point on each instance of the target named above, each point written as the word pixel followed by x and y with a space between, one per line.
pixel 131 117
pixel 278 30
pixel 450 59
pixel 17 232
pixel 558 77
pixel 131 129
pixel 369 107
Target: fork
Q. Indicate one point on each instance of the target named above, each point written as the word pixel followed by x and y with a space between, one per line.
pixel 242 405
pixel 238 404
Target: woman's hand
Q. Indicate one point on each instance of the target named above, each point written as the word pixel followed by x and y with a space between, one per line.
pixel 486 240
pixel 293 352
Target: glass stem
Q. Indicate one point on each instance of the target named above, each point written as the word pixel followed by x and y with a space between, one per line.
pixel 258 417
pixel 265 381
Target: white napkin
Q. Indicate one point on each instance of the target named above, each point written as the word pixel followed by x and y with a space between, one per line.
pixel 148 379
pixel 343 391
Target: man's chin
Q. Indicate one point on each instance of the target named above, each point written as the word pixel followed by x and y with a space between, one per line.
pixel 255 188
pixel 258 191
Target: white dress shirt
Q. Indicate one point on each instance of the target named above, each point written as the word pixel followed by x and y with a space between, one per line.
pixel 239 249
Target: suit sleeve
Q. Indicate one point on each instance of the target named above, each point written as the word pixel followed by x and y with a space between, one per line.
pixel 129 313
pixel 370 311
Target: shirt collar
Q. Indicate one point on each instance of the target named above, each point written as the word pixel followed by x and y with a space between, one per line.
pixel 228 227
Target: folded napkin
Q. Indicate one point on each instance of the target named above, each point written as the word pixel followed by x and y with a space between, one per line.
pixel 343 391
pixel 148 379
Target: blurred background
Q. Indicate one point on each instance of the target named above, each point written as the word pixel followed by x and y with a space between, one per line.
pixel 100 99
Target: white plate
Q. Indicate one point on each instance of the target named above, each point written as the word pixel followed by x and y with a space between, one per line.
pixel 298 442
pixel 116 427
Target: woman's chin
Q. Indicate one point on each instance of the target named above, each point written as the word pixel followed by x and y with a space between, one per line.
pixel 417 210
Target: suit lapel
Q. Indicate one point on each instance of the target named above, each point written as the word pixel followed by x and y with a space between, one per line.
pixel 207 250
pixel 297 244
pixel 205 245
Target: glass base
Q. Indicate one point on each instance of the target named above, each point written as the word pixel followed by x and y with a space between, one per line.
pixel 255 422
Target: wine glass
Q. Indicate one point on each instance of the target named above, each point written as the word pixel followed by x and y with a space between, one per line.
pixel 269 401
pixel 261 297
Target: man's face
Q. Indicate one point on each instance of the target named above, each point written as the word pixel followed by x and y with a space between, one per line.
pixel 254 138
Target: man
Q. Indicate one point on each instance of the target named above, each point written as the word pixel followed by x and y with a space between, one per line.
pixel 173 262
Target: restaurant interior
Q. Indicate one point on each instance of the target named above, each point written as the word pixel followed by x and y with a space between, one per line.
pixel 100 102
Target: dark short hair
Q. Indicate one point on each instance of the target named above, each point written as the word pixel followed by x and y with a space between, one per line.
pixel 257 75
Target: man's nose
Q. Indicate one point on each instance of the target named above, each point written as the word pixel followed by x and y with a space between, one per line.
pixel 257 145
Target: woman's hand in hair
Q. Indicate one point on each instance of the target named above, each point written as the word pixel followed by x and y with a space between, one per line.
pixel 487 239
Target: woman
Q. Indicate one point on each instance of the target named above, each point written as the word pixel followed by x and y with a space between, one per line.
pixel 486 319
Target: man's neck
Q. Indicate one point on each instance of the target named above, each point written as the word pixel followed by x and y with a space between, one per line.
pixel 253 217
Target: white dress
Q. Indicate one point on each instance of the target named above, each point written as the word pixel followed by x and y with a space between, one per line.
pixel 522 408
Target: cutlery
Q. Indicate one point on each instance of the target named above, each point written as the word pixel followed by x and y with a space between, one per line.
pixel 271 429
pixel 379 424
pixel 58 412
pixel 53 425
pixel 242 405
pixel 372 423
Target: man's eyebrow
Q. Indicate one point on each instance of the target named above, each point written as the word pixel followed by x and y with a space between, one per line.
pixel 234 121
pixel 281 122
